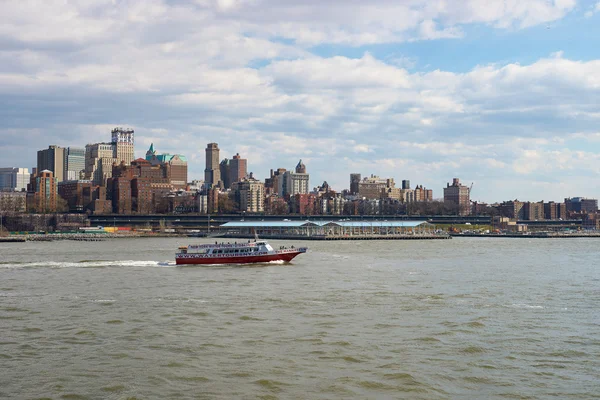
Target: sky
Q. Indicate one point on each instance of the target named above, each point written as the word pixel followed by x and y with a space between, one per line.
pixel 503 94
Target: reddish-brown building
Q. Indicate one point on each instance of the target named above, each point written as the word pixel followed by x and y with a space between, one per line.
pixel 140 187
pixel 95 200
pixel 42 192
pixel 72 193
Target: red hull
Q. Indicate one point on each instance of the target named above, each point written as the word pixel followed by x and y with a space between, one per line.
pixel 181 259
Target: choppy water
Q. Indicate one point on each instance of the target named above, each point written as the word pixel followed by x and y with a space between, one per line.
pixel 448 319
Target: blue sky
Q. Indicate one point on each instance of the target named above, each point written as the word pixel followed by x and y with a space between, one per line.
pixel 501 93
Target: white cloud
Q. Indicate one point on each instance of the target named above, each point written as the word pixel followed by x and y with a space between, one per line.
pixel 240 72
pixel 593 10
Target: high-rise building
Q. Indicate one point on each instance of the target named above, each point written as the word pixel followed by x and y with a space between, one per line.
pixel 405 184
pixel 99 157
pixel 534 211
pixel 212 173
pixel 294 183
pixel 419 193
pixel 581 204
pixel 123 142
pixel 14 179
pixel 374 187
pixel 354 182
pixel 42 192
pixel 238 168
pixel 72 192
pixel 177 166
pixel 274 183
pixel 138 187
pixel 52 159
pixel 459 195
pixel 250 195
pixel 224 169
pixel 555 211
pixel 74 164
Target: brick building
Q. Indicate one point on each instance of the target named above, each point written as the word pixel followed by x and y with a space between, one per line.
pixel 72 193
pixel 458 194
pixel 42 192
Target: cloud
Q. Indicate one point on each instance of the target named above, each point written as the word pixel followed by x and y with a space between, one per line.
pixel 244 73
pixel 593 10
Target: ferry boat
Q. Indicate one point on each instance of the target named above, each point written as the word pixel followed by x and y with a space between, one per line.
pixel 257 251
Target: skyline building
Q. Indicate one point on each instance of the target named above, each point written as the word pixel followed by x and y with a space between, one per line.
pixel 42 192
pixel 74 164
pixel 581 204
pixel 294 183
pixel 354 182
pixel 14 179
pixel 374 187
pixel 212 172
pixel 52 159
pixel 459 195
pixel 177 166
pixel 238 168
pixel 250 195
pixel 233 170
pixel 100 157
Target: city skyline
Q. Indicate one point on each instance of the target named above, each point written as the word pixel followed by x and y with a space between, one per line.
pixel 503 97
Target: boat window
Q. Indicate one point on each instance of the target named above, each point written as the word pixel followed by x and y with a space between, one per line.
pixel 237 251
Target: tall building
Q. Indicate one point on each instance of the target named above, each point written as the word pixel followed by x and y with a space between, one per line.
pixel 72 192
pixel 405 184
pixel 99 157
pixel 52 159
pixel 294 183
pixel 224 169
pixel 459 195
pixel 374 187
pixel 123 142
pixel 74 164
pixel 534 211
pixel 354 182
pixel 419 193
pixel 238 168
pixel 14 179
pixel 555 211
pixel 581 204
pixel 138 187
pixel 250 195
pixel 177 166
pixel 212 173
pixel 233 170
pixel 274 183
pixel 42 192
pixel 513 209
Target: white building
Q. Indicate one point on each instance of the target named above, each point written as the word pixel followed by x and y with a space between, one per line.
pixel 14 179
pixel 294 183
pixel 250 194
pixel 99 157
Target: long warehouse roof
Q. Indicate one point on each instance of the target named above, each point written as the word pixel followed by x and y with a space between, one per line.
pixel 298 224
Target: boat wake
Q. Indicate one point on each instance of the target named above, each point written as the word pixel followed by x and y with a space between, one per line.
pixel 88 264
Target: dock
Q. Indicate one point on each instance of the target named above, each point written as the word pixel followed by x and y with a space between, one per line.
pixel 540 235
pixel 12 239
pixel 340 237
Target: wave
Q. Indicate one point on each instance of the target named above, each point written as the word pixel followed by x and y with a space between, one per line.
pixel 88 264
pixel 523 305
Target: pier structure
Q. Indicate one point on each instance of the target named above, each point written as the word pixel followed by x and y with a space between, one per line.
pixel 332 230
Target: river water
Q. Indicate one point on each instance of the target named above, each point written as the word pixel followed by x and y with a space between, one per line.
pixel 467 318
